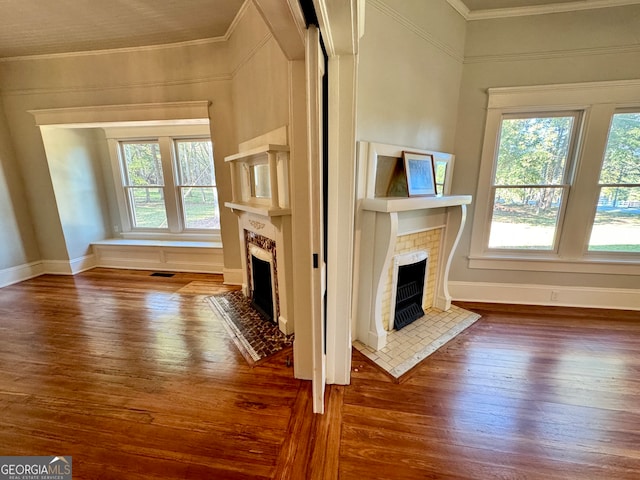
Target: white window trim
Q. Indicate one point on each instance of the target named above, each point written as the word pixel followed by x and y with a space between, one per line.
pixel 599 101
pixel 131 114
pixel 164 134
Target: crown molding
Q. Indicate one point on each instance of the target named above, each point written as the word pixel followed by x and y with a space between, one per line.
pixel 460 7
pixel 236 20
pixel 574 6
pixel 552 54
pixel 110 51
pixel 419 31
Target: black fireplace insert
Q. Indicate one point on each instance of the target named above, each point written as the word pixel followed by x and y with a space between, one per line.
pixel 262 296
pixel 409 294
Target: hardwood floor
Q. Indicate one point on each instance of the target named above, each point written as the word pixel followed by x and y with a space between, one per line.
pixel 132 376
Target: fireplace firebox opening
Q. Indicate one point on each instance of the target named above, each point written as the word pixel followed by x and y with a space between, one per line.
pixel 262 295
pixel 409 279
pixel 263 286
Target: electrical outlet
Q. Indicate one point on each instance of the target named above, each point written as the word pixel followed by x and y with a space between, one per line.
pixel 554 295
pixel 116 229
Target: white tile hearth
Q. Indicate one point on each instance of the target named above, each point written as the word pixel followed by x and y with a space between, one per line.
pixel 415 342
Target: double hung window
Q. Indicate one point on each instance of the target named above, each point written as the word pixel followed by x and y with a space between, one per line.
pixel 559 181
pixel 196 182
pixel 143 180
pixel 616 226
pixel 166 183
pixel 531 180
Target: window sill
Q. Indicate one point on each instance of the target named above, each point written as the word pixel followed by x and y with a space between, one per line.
pixel 159 243
pixel 613 266
pixel 171 237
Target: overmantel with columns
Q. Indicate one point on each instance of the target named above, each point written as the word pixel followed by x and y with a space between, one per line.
pixel 264 212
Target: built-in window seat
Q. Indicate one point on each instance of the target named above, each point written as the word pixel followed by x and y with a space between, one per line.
pixel 170 255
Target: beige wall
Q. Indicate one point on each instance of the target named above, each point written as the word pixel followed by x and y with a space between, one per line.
pixel 76 173
pixel 246 79
pixel 167 74
pixel 260 75
pixel 591 45
pixel 17 236
pixel 409 73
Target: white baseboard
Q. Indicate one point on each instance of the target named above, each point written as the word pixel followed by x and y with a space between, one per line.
pixel 20 273
pixel 82 264
pixel 69 267
pixel 232 276
pixel 195 259
pixel 551 295
pixel 174 259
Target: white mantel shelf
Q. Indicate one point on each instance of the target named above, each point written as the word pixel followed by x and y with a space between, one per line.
pixel 256 152
pixel 264 210
pixel 406 204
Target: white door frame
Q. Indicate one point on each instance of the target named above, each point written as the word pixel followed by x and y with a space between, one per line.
pixel 314 61
pixel 341 25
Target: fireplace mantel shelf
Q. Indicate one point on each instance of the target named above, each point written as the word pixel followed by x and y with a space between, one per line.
pixel 405 204
pixel 260 151
pixel 258 209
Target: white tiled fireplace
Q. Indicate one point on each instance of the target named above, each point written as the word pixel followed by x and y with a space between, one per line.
pixel 393 228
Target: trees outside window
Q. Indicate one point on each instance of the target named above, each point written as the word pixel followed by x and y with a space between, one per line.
pixel 197 184
pixel 616 225
pixel 169 184
pixel 144 184
pixel 531 180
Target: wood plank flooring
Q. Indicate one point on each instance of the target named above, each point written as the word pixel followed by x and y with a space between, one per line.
pixel 132 376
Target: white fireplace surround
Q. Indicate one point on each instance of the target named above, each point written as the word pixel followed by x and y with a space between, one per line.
pixel 267 218
pixel 402 260
pixel 382 220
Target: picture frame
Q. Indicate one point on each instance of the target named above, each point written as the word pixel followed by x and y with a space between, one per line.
pixel 420 172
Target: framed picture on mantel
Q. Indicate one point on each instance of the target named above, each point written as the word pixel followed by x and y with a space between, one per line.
pixel 420 172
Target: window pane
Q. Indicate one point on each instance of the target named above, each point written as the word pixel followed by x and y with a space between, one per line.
pixel 196 162
pixel 533 151
pixel 525 218
pixel 200 207
pixel 147 205
pixel 142 164
pixel 622 156
pixel 441 173
pixel 616 227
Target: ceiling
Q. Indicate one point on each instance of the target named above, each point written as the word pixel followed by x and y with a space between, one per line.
pixel 35 27
pixel 41 27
